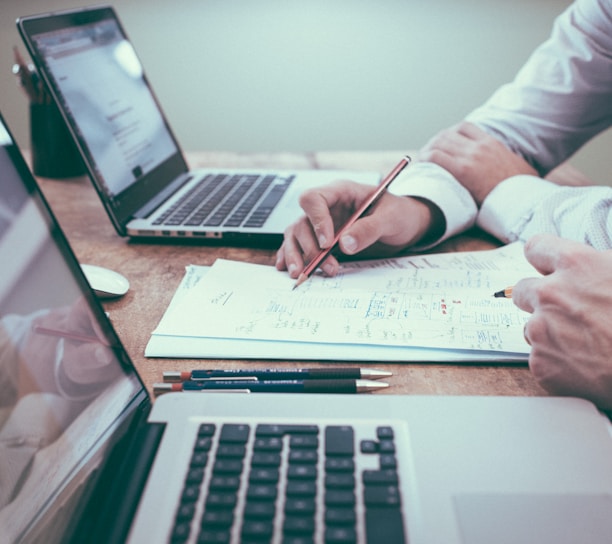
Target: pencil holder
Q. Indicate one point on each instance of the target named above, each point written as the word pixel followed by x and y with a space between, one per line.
pixel 54 153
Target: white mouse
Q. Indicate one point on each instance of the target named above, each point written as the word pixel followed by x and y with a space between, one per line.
pixel 106 283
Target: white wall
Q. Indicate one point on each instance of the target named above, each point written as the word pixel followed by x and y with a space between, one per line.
pixel 300 75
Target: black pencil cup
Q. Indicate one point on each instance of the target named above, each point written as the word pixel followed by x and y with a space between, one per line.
pixel 54 153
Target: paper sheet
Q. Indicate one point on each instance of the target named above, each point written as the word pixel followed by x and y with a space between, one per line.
pixel 430 307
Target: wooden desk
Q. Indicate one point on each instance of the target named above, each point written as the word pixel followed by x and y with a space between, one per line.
pixel 155 271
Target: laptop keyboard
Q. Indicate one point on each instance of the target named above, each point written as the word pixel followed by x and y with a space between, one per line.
pixel 228 200
pixel 290 484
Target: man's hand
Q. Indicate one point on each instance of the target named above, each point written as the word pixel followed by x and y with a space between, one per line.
pixel 391 225
pixel 479 161
pixel 569 331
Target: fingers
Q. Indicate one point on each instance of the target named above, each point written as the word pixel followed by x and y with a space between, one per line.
pixel 323 207
pixel 524 294
pixel 548 253
pixel 299 247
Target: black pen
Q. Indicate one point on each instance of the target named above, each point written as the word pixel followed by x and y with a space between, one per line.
pixel 274 386
pixel 338 373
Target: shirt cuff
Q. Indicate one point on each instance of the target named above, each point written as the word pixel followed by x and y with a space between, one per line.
pixel 510 205
pixel 431 182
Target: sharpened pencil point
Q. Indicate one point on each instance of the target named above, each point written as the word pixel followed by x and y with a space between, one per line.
pixel 504 293
pixel 301 279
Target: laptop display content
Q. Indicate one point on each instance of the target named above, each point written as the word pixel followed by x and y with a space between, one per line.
pixel 94 74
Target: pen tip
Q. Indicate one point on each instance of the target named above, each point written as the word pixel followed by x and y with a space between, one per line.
pixel 374 374
pixel 366 386
pixel 499 294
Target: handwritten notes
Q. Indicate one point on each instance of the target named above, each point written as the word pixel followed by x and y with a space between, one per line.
pixel 442 301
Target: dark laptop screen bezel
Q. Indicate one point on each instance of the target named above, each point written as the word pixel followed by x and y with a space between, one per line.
pixel 123 206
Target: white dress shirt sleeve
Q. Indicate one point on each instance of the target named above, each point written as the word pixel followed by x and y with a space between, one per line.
pixel 429 181
pixel 522 206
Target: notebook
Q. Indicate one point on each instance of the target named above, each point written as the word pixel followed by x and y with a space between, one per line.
pixel 86 456
pixel 93 72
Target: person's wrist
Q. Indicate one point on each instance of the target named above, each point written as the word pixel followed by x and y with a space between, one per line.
pixel 432 221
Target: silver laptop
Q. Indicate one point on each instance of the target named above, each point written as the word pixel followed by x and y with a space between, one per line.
pixel 85 456
pixel 94 74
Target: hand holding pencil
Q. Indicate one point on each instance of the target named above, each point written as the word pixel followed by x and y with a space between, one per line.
pixel 352 218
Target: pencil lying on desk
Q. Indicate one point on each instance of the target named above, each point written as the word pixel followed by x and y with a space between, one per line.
pixel 367 204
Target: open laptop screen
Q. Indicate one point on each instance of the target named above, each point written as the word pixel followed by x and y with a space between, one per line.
pixel 100 78
pixel 94 73
pixel 65 382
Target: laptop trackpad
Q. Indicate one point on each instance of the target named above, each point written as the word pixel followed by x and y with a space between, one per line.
pixel 545 519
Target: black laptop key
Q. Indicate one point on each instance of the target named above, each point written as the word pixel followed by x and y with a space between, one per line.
pixel 261 492
pixel 217 518
pixel 233 451
pixel 237 434
pixel 257 530
pixel 343 535
pixel 302 472
pixel 385 433
pixel 264 475
pixel 339 441
pixel 297 488
pixel 342 464
pixel 384 525
pixel 380 477
pixel 339 480
pixel 190 493
pixel 281 430
pixel 180 533
pixel 259 509
pixel 300 506
pixel 306 457
pixel 195 475
pixel 214 537
pixel 221 501
pixel 299 525
pixel 340 497
pixel 265 459
pixel 185 512
pixel 224 483
pixel 340 516
pixel 227 466
pixel 387 495
pixel 268 444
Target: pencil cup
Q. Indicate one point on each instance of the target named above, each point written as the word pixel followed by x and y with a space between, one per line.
pixel 54 153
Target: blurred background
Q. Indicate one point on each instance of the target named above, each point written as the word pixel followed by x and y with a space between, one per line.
pixel 304 75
